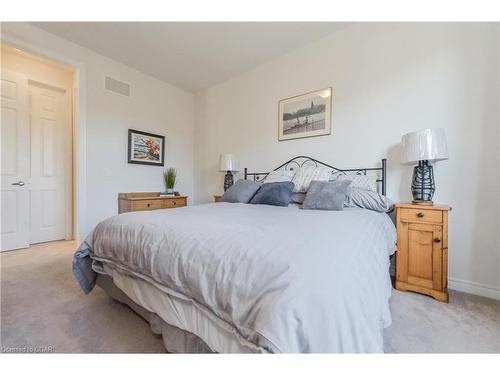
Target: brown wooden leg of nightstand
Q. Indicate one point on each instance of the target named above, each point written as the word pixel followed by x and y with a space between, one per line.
pixel 440 296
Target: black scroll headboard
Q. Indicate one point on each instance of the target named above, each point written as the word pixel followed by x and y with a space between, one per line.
pixel 299 161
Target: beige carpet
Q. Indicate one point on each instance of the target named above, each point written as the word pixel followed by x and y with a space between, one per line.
pixel 42 306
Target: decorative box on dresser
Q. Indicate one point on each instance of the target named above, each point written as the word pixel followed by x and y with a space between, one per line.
pixel 422 249
pixel 128 202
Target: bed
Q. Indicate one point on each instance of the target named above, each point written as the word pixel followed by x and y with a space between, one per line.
pixel 244 278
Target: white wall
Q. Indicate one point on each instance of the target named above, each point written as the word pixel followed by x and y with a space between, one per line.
pixel 154 106
pixel 387 79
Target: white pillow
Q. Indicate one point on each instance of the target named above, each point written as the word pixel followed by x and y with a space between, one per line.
pixel 360 181
pixel 280 175
pixel 308 173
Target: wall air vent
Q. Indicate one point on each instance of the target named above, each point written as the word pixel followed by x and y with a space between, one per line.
pixel 118 87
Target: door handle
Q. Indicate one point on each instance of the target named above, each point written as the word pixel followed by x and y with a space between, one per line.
pixel 19 183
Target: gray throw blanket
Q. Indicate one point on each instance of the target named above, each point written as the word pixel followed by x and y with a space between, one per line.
pixel 286 280
pixel 82 267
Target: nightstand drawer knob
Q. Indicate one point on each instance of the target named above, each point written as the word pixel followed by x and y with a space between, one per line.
pixel 437 240
pixel 149 204
pixel 420 214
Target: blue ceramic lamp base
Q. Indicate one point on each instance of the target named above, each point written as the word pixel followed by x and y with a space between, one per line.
pixel 228 180
pixel 423 186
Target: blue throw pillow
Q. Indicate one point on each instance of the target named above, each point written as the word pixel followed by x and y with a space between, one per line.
pixel 241 192
pixel 275 194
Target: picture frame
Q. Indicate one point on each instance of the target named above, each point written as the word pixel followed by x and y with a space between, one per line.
pixel 146 148
pixel 306 115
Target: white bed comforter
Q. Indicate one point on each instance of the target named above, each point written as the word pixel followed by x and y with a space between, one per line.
pixel 281 278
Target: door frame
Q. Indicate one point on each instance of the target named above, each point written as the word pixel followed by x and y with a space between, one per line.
pixel 79 98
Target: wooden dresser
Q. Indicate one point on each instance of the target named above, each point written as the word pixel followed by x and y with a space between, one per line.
pixel 422 255
pixel 148 201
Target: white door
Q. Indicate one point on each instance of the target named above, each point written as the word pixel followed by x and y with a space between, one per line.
pixel 49 122
pixel 14 200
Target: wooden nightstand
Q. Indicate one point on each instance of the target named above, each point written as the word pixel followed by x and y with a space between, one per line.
pixel 217 198
pixel 148 201
pixel 422 255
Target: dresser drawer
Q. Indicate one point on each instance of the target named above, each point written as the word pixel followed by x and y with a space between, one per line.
pixel 417 215
pixel 171 203
pixel 147 201
pixel 144 205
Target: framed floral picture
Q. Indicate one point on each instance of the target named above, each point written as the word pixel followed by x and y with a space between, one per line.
pixel 306 115
pixel 145 148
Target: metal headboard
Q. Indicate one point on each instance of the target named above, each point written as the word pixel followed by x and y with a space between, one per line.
pixel 299 161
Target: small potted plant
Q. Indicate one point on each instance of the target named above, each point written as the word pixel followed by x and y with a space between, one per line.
pixel 169 176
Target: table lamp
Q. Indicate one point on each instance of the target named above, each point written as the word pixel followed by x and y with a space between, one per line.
pixel 422 147
pixel 228 163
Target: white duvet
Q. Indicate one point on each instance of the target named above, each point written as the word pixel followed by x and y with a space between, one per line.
pixel 282 279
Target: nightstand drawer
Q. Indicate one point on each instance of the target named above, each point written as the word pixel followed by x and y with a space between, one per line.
pixel 417 215
pixel 144 205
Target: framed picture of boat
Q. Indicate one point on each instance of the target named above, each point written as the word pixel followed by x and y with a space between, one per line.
pixel 306 115
pixel 145 148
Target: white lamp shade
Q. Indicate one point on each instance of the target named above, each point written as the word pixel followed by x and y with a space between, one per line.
pixel 427 144
pixel 228 162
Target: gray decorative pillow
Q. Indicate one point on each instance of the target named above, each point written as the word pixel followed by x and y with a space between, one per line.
pixel 326 195
pixel 367 199
pixel 241 192
pixel 298 197
pixel 274 194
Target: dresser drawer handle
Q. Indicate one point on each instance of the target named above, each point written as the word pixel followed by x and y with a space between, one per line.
pixel 437 240
pixel 175 203
pixel 149 204
pixel 420 214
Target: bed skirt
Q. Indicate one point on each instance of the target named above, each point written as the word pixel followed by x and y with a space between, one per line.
pixel 175 339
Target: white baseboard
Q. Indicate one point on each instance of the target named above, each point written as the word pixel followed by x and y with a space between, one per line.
pixel 474 288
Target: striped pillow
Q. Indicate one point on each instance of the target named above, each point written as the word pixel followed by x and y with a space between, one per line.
pixel 359 181
pixel 308 173
pixel 281 175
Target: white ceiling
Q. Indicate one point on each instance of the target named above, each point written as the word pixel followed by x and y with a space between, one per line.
pixel 191 55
